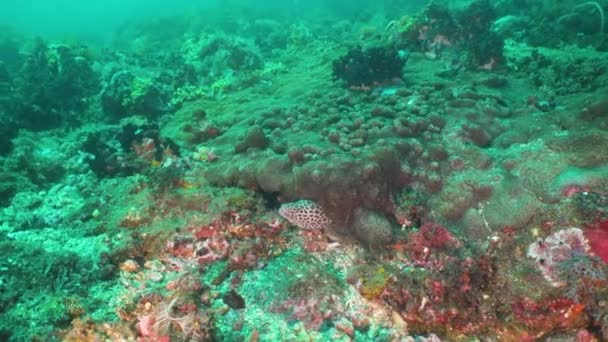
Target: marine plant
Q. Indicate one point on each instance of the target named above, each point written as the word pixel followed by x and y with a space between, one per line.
pixel 369 67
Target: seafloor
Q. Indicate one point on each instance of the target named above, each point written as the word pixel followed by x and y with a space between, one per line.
pixel 440 176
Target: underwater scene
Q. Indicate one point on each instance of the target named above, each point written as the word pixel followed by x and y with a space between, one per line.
pixel 320 170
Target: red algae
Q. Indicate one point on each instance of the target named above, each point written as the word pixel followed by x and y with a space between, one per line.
pixel 597 235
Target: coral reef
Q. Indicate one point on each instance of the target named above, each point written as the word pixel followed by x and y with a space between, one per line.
pixel 225 176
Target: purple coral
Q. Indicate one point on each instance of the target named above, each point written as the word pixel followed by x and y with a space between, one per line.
pixel 305 214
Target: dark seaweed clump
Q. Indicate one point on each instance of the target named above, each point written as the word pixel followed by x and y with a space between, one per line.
pixel 484 46
pixel 361 67
pixel 53 85
pixel 140 145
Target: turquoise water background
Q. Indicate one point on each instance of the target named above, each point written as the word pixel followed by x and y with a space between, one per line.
pixel 100 19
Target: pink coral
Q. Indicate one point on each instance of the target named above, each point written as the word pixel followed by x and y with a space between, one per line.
pixel 305 214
